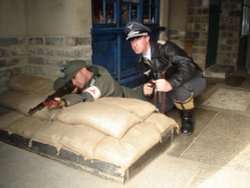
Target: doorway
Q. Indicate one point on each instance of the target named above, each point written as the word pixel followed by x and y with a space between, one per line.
pixel 213 32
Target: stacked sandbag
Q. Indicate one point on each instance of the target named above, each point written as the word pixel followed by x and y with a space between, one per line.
pixel 114 130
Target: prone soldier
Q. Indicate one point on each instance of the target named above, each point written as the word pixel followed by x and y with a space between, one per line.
pixel 88 82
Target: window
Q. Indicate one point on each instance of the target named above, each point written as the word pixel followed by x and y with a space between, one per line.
pixel 120 12
pixel 129 11
pixel 150 11
pixel 104 11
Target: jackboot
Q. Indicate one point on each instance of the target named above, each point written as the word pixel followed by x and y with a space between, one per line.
pixel 187 122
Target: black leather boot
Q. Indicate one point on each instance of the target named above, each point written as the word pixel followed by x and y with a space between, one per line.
pixel 187 126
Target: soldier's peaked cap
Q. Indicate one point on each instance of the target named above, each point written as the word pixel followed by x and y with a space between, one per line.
pixel 135 29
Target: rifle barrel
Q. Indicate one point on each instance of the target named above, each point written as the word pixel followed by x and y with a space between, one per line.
pixel 35 109
pixel 65 89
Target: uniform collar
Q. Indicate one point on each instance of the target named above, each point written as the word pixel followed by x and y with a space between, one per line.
pixel 147 55
pixel 96 74
pixel 155 52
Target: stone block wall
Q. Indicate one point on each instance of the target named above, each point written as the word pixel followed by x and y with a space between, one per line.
pixel 229 33
pixel 195 38
pixel 13 55
pixel 40 55
pixel 197 30
pixel 177 36
pixel 47 54
pixel 12 51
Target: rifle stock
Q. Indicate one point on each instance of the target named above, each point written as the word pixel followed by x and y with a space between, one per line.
pixel 159 97
pixel 65 89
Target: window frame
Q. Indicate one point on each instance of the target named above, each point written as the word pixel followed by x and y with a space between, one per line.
pixel 150 5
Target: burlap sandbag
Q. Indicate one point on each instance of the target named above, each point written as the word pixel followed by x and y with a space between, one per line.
pixel 125 151
pixel 137 107
pixel 82 139
pixel 108 119
pixel 22 102
pixel 7 119
pixel 31 84
pixel 26 126
pixel 51 133
pixel 162 122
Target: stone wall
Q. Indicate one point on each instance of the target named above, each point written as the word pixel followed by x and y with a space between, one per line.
pixel 40 55
pixel 12 51
pixel 50 51
pixel 195 37
pixel 197 30
pixel 229 33
pixel 47 54
pixel 13 55
pixel 176 29
pixel 37 37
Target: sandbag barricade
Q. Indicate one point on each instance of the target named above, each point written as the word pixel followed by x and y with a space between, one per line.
pixel 110 137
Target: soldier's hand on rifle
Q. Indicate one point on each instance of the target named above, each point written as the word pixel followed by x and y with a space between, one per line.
pixel 162 85
pixel 148 88
pixel 55 103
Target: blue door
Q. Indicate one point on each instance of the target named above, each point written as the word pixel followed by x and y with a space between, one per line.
pixel 110 49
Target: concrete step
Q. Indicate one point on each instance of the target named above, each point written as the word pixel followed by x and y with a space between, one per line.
pixel 218 71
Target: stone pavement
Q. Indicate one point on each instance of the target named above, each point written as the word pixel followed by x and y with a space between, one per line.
pixel 217 154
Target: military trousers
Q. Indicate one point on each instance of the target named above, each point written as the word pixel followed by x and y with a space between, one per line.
pixel 193 88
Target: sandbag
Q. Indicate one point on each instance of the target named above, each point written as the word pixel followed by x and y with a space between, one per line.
pixel 31 84
pixel 22 102
pixel 9 118
pixel 162 122
pixel 140 108
pixel 82 139
pixel 125 151
pixel 25 126
pixel 108 119
pixel 51 133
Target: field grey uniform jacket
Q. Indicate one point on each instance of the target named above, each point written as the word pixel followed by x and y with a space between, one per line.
pixel 102 85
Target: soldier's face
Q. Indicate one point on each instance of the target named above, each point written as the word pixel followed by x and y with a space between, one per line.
pixel 140 45
pixel 80 80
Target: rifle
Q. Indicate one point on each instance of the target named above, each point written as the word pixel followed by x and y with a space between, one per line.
pixel 159 97
pixel 65 89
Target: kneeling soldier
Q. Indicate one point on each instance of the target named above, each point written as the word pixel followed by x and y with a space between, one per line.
pixel 174 73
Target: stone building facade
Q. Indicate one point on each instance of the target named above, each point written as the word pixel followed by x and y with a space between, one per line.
pixel 40 55
pixel 229 33
pixel 195 38
pixel 37 37
pixel 31 44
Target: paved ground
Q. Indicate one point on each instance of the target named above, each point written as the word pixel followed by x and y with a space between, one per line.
pixel 216 155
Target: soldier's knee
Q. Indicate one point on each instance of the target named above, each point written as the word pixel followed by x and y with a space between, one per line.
pixel 188 104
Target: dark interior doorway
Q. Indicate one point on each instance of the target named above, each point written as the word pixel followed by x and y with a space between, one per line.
pixel 213 32
pixel 244 47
